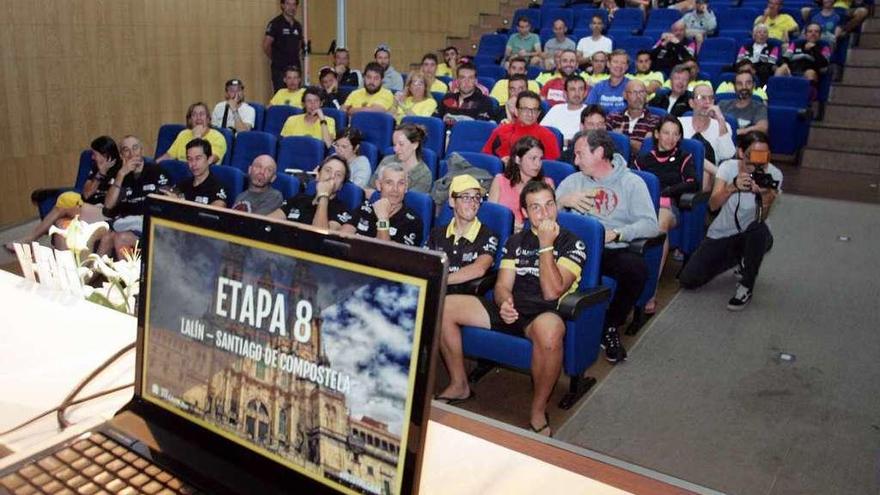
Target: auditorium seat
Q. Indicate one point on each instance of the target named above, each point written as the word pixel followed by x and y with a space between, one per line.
pixel 249 145
pixel 302 152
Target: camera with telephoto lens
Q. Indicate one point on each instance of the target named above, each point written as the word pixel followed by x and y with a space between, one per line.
pixel 759 158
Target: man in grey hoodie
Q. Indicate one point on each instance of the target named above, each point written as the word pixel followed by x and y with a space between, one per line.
pixel 606 190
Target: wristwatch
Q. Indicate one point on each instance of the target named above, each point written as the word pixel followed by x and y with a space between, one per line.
pixel 383 225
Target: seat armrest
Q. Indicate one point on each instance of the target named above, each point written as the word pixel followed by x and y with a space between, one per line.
pixel 475 287
pixel 39 195
pixel 641 245
pixel 687 201
pixel 572 304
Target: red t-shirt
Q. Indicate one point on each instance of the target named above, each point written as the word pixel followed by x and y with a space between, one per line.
pixel 506 135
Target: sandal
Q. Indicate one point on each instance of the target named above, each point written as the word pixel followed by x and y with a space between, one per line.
pixel 455 400
pixel 540 431
pixel 650 306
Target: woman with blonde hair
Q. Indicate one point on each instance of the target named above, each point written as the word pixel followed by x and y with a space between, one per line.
pixel 415 99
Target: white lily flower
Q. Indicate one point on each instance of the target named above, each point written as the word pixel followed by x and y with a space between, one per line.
pixel 80 236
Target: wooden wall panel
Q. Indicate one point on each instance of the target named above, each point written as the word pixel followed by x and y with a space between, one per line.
pixel 75 69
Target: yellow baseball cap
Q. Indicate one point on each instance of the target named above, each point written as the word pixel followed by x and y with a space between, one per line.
pixel 69 199
pixel 463 183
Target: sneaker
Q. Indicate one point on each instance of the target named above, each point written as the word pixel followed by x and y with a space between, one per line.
pixel 614 350
pixel 738 270
pixel 740 299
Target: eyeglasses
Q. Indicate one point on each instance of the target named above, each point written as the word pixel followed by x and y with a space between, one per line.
pixel 529 110
pixel 469 198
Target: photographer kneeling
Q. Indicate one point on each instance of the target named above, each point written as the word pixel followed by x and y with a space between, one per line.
pixel 744 191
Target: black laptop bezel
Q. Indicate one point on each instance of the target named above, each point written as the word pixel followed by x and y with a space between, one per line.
pixel 405 260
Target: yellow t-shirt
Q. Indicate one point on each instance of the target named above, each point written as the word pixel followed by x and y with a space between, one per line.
pixel 296 125
pixel 177 150
pixel 444 70
pixel 668 84
pixel 359 98
pixel 593 80
pixel 728 87
pixel 499 91
pixel 783 23
pixel 439 86
pixel 285 96
pixel 650 76
pixel 424 108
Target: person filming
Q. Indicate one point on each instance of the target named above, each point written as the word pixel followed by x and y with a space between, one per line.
pixel 744 191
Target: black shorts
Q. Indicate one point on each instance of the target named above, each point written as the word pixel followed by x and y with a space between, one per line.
pixel 516 328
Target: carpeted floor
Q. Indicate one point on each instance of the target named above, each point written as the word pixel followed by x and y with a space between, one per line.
pixel 706 397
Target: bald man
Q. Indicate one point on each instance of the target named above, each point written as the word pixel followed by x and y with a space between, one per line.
pixel 260 198
pixel 635 122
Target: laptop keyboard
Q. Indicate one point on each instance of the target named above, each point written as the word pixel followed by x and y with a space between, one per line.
pixel 93 465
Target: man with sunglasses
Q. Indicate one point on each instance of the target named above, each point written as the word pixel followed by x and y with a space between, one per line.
pixel 469 245
pixel 528 109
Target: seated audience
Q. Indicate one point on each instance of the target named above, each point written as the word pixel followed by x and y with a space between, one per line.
pixel 675 169
pixel 567 117
pixel 700 22
pixel 322 209
pixel 744 65
pixel 125 200
pixel 515 85
pixel 453 86
pixel 540 265
pixel 553 90
pixel 415 99
pixel 312 122
pixel 592 118
pixel 856 12
pixel 450 62
pixel 708 125
pixel 372 97
pixel 391 79
pixel 556 44
pixel 233 112
pixel 89 203
pixel 332 96
pixel 780 25
pixel 765 56
pixel 347 146
pixel 653 79
pixel 260 198
pixel 197 126
pixel 635 121
pixel 202 187
pixel 347 75
pixel 409 142
pixel 523 167
pixel 517 65
pixel 677 100
pixel 429 71
pixel 673 48
pixel 739 235
pixel 388 218
pixel 806 57
pixel 465 102
pixel 609 93
pixel 469 245
pixel 528 109
pixel 598 69
pixel 828 18
pixel 606 190
pixel 291 93
pixel 751 115
pixel 595 42
pixel 523 43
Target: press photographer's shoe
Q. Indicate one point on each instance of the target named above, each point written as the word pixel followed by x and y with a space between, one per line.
pixel 740 299
pixel 614 350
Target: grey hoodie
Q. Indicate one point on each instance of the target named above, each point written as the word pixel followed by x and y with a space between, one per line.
pixel 622 201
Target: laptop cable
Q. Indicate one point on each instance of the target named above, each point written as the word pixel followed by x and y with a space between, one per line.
pixel 71 400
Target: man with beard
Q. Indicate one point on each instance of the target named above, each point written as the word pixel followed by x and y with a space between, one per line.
pixel 450 62
pixel 653 79
pixel 324 208
pixel 372 97
pixel 260 198
pixel 751 115
pixel 466 103
pixel 635 122
pixel 567 118
pixel 553 90
pixel 391 79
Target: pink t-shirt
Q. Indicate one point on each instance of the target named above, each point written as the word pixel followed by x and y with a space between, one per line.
pixel 508 196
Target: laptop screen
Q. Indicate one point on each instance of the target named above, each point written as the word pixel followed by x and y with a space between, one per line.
pixel 304 357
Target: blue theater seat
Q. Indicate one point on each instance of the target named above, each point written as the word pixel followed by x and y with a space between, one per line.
pixel 249 145
pixel 302 152
pixel 232 179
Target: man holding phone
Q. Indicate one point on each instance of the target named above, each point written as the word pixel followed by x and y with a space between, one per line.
pixel 233 112
pixel 744 191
